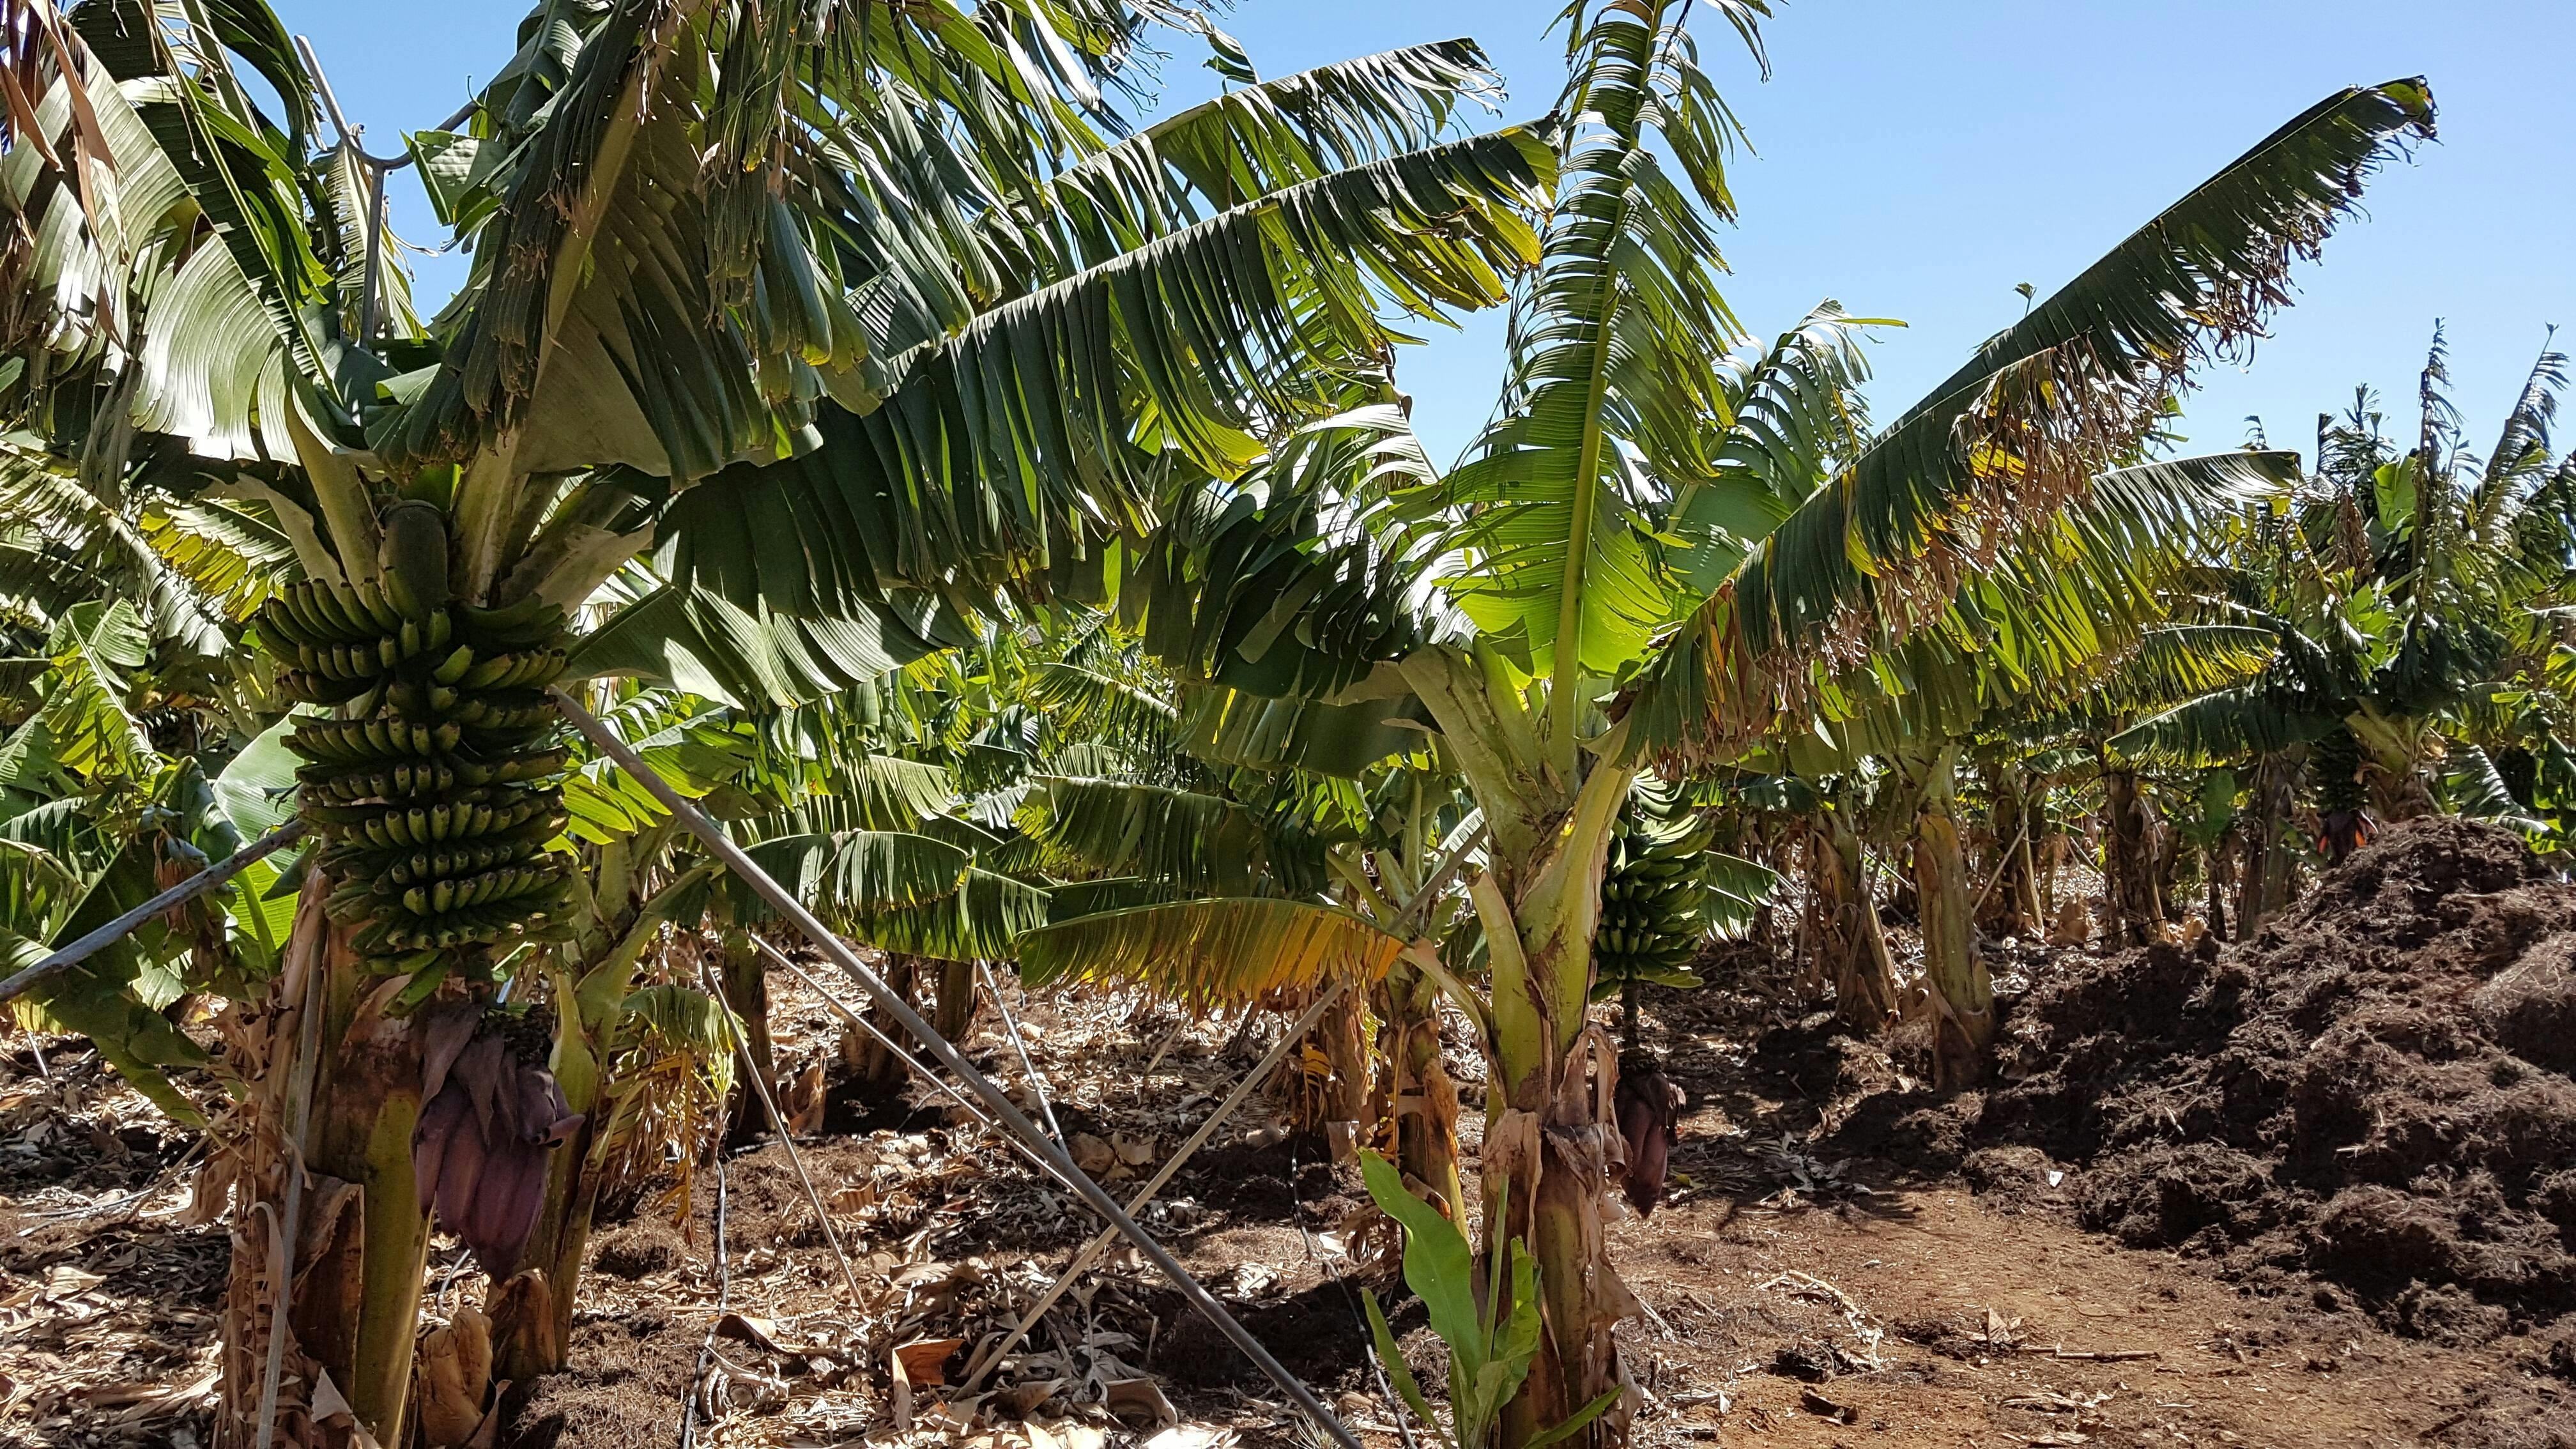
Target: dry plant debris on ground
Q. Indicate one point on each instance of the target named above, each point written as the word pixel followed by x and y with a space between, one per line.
pixel 1817 1275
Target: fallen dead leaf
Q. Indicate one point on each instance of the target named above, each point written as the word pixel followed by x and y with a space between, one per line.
pixel 1092 1155
pixel 1139 1398
pixel 64 1280
pixel 1023 1399
pixel 763 1333
pixel 925 1360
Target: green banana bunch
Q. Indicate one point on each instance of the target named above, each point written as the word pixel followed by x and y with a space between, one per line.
pixel 1653 897
pixel 430 776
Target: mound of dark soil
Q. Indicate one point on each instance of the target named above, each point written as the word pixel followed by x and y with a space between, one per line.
pixel 2375 1090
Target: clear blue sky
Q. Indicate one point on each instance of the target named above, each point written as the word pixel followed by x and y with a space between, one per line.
pixel 1917 160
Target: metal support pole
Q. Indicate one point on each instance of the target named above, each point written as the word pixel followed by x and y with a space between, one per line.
pixel 187 890
pixel 995 1099
pixel 1029 1069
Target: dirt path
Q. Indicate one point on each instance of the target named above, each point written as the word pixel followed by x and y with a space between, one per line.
pixel 1927 1318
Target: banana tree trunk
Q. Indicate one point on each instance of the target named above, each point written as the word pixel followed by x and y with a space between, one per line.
pixel 360 1238
pixel 1552 1146
pixel 1843 934
pixel 1420 1096
pixel 1333 1077
pixel 1346 1043
pixel 953 999
pixel 2132 880
pixel 744 978
pixel 531 1311
pixel 2269 876
pixel 880 1074
pixel 1961 994
pixel 2011 906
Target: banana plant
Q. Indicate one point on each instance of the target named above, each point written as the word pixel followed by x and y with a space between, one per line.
pixel 1656 553
pixel 1269 886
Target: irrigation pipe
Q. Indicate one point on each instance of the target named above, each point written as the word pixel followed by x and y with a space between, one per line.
pixel 985 1359
pixel 707 1345
pixel 1396 1407
pixel 211 878
pixel 892 1003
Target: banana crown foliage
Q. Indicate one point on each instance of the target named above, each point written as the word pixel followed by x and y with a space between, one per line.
pixel 2074 389
pixel 1726 531
pixel 928 293
pixel 1669 545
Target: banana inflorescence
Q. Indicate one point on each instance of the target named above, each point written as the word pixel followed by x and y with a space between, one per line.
pixel 1653 899
pixel 430 777
pixel 490 1116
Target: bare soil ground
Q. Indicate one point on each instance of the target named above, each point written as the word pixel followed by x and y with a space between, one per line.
pixel 2150 1232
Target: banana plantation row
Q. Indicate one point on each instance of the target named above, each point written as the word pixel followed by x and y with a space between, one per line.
pixel 1004 520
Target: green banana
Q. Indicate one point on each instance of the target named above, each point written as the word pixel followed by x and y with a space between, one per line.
pixel 452 669
pixel 371 601
pixel 528 622
pixel 413 556
pixel 1649 922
